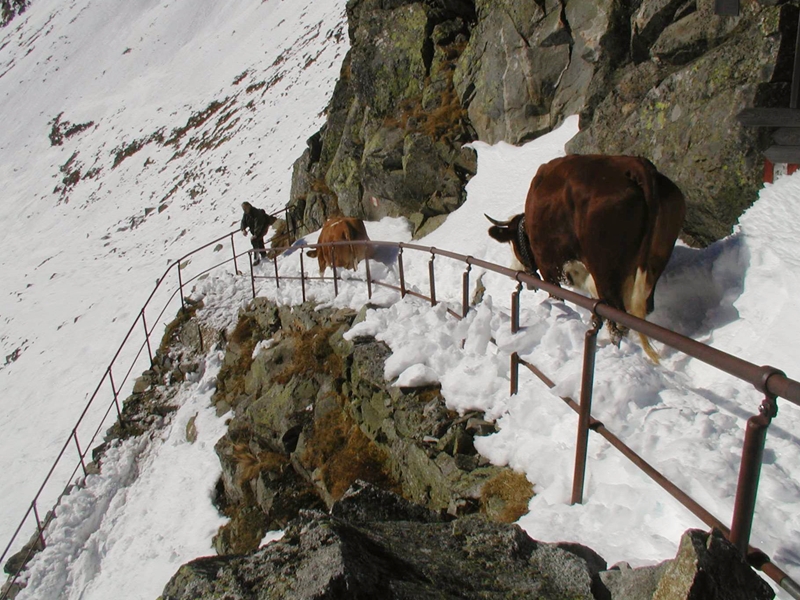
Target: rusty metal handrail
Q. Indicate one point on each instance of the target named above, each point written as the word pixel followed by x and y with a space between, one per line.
pixel 764 378
pixel 768 380
pixel 73 439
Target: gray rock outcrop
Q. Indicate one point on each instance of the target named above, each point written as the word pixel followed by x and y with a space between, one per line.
pixel 664 79
pixel 707 566
pixel 393 141
pixel 375 545
pixel 312 413
pixel 10 9
pixel 678 106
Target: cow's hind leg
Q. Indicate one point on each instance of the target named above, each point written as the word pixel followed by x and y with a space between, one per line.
pixel 612 292
pixel 552 275
pixel 640 297
pixel 353 257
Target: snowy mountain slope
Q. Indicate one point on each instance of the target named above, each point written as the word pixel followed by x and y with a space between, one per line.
pixel 167 115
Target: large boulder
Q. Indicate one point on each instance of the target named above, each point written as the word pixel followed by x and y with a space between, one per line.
pixel 394 140
pixel 375 545
pixel 709 567
pixel 312 413
pixel 706 567
pixel 679 106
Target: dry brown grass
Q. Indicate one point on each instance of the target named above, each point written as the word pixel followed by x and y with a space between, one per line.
pixel 251 465
pixel 505 497
pixel 243 332
pixel 173 327
pixel 342 452
pixel 231 378
pixel 440 123
pixel 312 354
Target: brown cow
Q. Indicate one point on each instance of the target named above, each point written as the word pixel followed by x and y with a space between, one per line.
pixel 341 229
pixel 607 224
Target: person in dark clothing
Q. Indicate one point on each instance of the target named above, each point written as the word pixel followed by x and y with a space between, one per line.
pixel 258 222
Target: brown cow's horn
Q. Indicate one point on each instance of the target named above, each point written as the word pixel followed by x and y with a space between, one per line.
pixel 498 223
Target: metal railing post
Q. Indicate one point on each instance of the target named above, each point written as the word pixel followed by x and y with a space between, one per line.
pixel 291 226
pixel 432 277
pixel 750 472
pixel 302 276
pixel 80 452
pixel 114 391
pixel 515 308
pixel 180 287
pixel 514 329
pixel 402 272
pixel 233 249
pixel 335 274
pixel 252 274
pixel 369 278
pixel 584 416
pixel 39 526
pixel 147 338
pixel 277 278
pixel 514 374
pixel 465 291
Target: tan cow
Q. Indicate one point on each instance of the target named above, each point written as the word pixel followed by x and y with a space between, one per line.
pixel 341 229
pixel 604 223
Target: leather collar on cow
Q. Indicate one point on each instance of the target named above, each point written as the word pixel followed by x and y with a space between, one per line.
pixel 524 248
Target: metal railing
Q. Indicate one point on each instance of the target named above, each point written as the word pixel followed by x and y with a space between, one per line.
pixel 82 445
pixel 767 380
pixel 115 377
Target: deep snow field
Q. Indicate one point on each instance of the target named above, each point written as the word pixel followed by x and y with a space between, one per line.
pixel 79 263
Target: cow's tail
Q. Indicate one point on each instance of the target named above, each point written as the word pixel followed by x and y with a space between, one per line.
pixel 644 174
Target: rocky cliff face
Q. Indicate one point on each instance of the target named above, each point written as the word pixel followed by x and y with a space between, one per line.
pixel 676 102
pixel 393 142
pixel 10 9
pixel 312 414
pixel 663 79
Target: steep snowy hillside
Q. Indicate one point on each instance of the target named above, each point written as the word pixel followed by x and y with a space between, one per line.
pixel 131 134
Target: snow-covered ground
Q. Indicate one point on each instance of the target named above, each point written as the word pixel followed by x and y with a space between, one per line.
pixel 78 265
